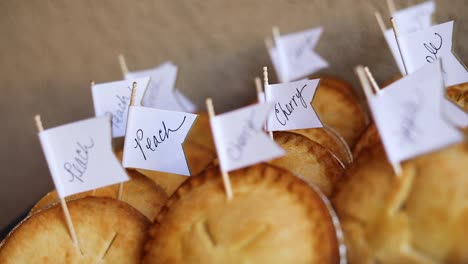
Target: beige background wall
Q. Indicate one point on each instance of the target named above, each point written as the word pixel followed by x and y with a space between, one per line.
pixel 50 50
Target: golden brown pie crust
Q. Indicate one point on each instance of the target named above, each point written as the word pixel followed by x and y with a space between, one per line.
pixel 419 217
pixel 108 231
pixel 308 160
pixel 274 218
pixel 140 192
pixel 340 111
pixel 331 140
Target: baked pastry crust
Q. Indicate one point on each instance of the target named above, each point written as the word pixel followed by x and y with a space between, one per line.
pixel 274 217
pixel 368 138
pixel 198 159
pixel 341 111
pixel 419 217
pixel 331 140
pixel 308 160
pixel 458 94
pixel 140 192
pixel 108 231
pixel 200 134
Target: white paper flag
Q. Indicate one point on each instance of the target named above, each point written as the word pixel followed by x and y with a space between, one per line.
pixel 154 139
pixel 393 46
pixel 292 105
pixel 239 137
pixel 80 156
pixel 409 20
pixel 428 45
pixel 414 18
pixel 113 98
pixel 298 54
pixel 160 93
pixel 185 104
pixel 409 117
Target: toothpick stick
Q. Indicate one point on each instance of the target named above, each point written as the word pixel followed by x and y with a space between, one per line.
pixel 368 91
pixel 123 65
pixel 366 87
pixel 396 168
pixel 94 190
pixel 391 7
pixel 258 87
pixel 132 103
pixel 133 95
pixel 265 84
pixel 370 77
pixel 281 56
pixel 225 175
pixel 63 203
pixel 268 43
pixel 380 21
pixel 395 32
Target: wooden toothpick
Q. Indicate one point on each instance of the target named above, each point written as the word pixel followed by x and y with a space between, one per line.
pixel 395 32
pixel 368 92
pixel 366 87
pixel 93 193
pixel 265 84
pixel 132 103
pixel 63 203
pixel 258 87
pixel 123 65
pixel 225 175
pixel 268 43
pixel 396 168
pixel 281 55
pixel 132 97
pixel 370 77
pixel 391 7
pixel 380 21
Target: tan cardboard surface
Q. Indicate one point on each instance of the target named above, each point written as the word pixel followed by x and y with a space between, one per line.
pixel 50 50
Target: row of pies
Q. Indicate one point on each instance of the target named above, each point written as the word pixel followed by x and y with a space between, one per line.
pixel 320 203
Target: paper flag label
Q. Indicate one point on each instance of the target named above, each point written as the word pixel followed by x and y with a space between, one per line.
pixel 80 156
pixel 113 98
pixel 409 20
pixel 295 57
pixel 185 104
pixel 240 139
pixel 409 117
pixel 154 140
pixel 414 18
pixel 292 105
pixel 393 46
pixel 160 93
pixel 261 97
pixel 430 44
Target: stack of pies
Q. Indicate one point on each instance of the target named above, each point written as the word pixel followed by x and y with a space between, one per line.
pixel 280 213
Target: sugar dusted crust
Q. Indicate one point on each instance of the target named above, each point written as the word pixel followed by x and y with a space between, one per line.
pixel 274 218
pixel 108 231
